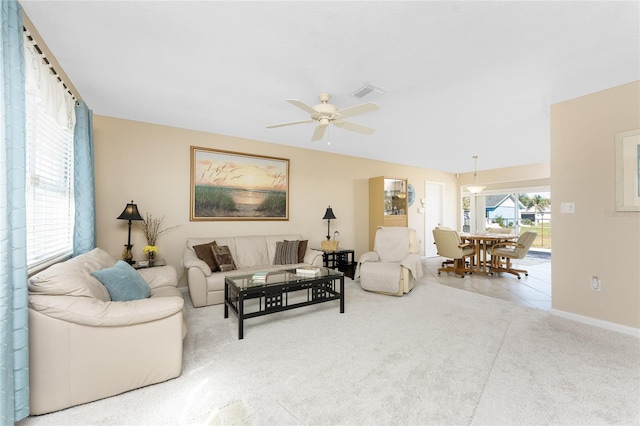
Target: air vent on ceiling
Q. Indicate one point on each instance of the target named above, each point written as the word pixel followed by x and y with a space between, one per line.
pixel 369 92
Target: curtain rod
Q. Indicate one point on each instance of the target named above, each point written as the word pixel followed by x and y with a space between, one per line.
pixel 47 62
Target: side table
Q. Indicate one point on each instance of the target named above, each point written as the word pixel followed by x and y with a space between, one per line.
pixel 342 260
pixel 142 264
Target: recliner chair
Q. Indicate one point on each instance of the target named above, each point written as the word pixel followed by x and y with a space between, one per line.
pixel 394 264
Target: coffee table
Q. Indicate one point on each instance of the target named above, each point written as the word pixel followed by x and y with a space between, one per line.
pixel 283 290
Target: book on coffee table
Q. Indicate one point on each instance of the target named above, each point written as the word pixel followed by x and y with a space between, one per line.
pixel 308 271
pixel 260 276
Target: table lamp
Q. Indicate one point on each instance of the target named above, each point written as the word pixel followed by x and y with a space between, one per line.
pixel 129 213
pixel 328 215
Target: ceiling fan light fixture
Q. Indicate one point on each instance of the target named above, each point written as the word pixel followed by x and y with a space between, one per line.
pixel 325 114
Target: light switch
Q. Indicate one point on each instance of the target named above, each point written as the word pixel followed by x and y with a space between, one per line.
pixel 567 207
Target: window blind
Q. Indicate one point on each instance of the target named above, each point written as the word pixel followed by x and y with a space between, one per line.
pixel 49 163
pixel 49 187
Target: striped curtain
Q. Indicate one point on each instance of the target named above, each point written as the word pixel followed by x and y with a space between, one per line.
pixel 14 333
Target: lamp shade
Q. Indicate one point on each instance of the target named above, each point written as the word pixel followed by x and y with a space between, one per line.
pixel 329 214
pixel 474 189
pixel 130 212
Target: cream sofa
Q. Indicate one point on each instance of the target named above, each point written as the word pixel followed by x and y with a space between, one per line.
pixel 250 254
pixel 84 347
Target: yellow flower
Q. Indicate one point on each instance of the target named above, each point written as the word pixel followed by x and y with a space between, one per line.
pixel 150 249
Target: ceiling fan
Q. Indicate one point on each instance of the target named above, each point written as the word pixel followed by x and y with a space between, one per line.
pixel 324 114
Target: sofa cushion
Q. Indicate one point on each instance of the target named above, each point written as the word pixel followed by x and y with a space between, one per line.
pixel 123 282
pixel 286 253
pixel 205 253
pixel 73 277
pixel 272 240
pixel 250 251
pixel 223 257
pixel 302 249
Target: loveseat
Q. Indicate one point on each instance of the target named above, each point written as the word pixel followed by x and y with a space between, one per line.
pixel 249 254
pixel 83 346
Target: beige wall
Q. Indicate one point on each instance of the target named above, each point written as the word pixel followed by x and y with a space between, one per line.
pixel 595 240
pixel 150 164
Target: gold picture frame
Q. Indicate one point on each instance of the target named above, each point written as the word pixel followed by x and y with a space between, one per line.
pixel 227 185
pixel 628 171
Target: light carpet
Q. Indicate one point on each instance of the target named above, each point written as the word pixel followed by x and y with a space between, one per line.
pixel 438 355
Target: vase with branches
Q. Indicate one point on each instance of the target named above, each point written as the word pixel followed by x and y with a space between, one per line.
pixel 152 228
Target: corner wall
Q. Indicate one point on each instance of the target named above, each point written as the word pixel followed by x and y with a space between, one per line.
pixel 595 240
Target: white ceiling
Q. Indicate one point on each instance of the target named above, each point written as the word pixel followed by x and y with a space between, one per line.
pixel 462 78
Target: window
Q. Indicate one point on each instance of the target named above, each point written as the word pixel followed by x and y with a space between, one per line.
pixel 522 210
pixel 49 166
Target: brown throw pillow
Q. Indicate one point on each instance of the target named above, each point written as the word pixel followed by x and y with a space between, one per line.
pixel 286 253
pixel 223 257
pixel 302 249
pixel 205 253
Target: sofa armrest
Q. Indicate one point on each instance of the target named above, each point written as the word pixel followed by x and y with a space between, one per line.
pixel 313 257
pixel 96 313
pixel 370 256
pixel 190 260
pixel 413 263
pixel 160 276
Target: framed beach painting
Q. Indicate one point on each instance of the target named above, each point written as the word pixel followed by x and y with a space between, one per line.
pixel 628 171
pixel 228 185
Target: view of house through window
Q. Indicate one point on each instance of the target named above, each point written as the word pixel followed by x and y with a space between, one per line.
pixel 518 212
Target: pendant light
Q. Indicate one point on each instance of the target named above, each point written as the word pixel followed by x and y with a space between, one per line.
pixel 476 187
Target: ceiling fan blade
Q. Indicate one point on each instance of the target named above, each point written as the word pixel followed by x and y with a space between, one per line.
pixel 346 125
pixel 271 126
pixel 302 106
pixel 358 109
pixel 319 132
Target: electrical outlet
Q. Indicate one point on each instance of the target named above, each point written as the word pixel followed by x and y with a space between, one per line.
pixel 595 283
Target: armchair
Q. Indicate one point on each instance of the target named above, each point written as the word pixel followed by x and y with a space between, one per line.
pixel 394 264
pixel 449 245
pixel 510 250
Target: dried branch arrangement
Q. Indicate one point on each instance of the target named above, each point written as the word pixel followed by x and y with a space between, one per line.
pixel 151 227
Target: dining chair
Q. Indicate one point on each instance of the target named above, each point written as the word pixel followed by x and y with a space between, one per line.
pixel 449 245
pixel 446 261
pixel 504 252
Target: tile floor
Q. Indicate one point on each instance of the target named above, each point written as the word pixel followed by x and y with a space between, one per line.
pixel 533 290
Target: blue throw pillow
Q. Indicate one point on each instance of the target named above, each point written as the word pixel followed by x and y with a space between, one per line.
pixel 123 282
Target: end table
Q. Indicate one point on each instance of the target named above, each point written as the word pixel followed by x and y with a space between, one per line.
pixel 342 260
pixel 142 264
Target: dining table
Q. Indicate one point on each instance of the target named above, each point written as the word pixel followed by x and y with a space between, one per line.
pixel 482 260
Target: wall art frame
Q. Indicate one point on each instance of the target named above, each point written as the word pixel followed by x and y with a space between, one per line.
pixel 228 185
pixel 628 170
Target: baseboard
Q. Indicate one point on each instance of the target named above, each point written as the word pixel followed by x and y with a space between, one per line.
pixel 635 332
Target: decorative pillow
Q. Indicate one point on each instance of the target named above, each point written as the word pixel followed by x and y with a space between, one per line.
pixel 302 249
pixel 286 253
pixel 123 282
pixel 205 253
pixel 223 258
